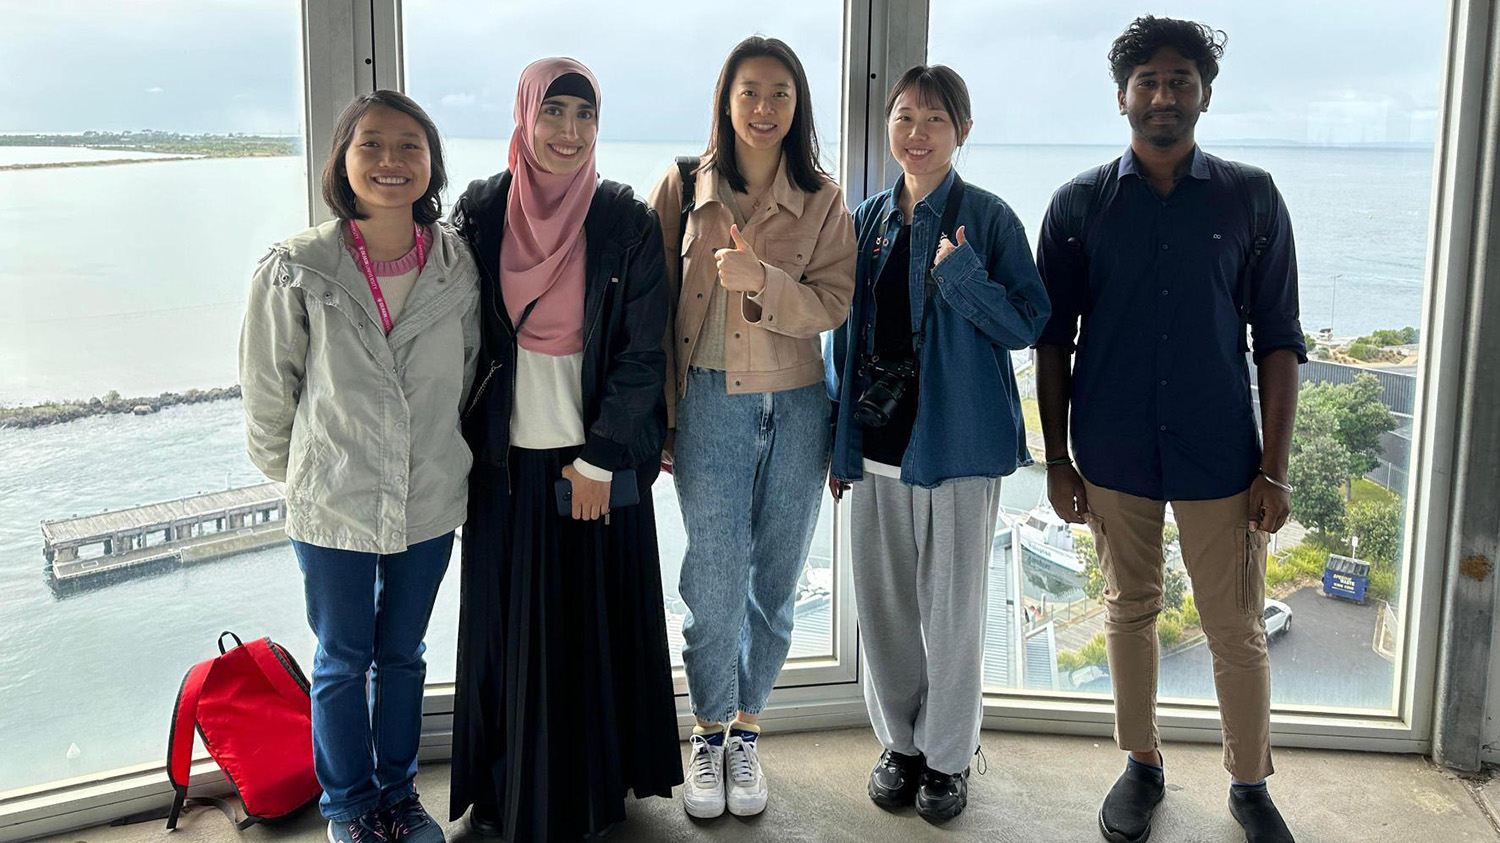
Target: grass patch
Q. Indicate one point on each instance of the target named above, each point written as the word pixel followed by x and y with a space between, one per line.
pixel 1368 490
pixel 1031 412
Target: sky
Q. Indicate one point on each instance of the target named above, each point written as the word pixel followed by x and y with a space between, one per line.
pixel 1307 71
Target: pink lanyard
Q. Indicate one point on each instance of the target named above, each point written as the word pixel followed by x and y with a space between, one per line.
pixel 368 267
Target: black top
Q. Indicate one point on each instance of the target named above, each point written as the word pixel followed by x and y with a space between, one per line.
pixel 1161 390
pixel 624 318
pixel 893 344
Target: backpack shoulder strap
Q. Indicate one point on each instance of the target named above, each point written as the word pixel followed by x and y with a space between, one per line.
pixel 180 738
pixel 1261 195
pixel 1083 195
pixel 686 167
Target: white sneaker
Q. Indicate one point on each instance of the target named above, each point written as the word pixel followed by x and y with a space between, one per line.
pixel 748 790
pixel 703 792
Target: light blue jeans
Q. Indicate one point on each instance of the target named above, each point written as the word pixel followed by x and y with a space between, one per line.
pixel 750 472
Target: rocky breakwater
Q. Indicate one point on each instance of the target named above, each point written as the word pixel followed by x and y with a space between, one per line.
pixel 61 412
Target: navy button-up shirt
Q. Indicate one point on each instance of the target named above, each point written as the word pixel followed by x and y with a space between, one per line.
pixel 1161 390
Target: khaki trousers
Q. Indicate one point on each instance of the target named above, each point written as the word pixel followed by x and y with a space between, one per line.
pixel 1227 566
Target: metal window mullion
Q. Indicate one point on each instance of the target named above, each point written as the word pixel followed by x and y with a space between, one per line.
pixel 897 39
pixel 337 64
pixel 386 34
pixel 1470 524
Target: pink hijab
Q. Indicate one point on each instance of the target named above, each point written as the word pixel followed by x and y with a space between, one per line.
pixel 543 259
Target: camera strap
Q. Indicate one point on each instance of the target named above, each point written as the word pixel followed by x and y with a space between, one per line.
pixel 945 228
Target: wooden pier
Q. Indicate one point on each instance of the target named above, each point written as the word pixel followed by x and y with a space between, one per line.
pixel 178 532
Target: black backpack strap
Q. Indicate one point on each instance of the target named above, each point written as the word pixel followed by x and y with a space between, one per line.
pixel 1262 197
pixel 686 167
pixel 1083 195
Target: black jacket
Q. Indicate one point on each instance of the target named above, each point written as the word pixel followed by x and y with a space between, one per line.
pixel 624 318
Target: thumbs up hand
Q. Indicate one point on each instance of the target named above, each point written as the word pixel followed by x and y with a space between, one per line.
pixel 739 269
pixel 946 247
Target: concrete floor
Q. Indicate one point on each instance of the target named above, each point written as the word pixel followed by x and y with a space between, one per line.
pixel 1039 789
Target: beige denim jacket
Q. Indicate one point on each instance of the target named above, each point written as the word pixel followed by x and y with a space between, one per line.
pixel 362 427
pixel 806 244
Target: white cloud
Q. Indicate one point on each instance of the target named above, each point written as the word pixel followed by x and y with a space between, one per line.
pixel 459 100
pixel 154 89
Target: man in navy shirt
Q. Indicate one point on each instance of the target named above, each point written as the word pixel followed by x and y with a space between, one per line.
pixel 1156 264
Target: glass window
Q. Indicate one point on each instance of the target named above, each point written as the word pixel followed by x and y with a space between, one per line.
pixel 146 162
pixel 462 63
pixel 1347 131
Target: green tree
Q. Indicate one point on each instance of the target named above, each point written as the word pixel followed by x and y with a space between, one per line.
pixel 1319 467
pixel 1362 350
pixel 1359 415
pixel 1176 588
pixel 1377 523
pixel 1093 575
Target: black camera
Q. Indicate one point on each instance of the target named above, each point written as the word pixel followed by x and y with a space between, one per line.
pixel 889 382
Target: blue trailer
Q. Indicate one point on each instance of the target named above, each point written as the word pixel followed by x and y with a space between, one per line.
pixel 1345 578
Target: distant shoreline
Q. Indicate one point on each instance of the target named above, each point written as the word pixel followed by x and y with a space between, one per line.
pixel 170 146
pixel 49 413
pixel 110 162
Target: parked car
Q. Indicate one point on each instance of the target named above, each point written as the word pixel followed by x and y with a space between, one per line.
pixel 1278 618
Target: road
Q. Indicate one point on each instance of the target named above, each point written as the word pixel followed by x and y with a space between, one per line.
pixel 1325 659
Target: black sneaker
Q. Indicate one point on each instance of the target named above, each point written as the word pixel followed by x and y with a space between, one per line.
pixel 894 781
pixel 942 796
pixel 1253 809
pixel 1125 816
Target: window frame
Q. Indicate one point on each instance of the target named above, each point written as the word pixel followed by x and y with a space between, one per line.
pixel 359 47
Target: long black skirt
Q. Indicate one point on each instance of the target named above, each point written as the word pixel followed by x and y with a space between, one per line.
pixel 564 697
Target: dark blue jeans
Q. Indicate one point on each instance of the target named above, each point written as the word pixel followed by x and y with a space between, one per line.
pixel 370 614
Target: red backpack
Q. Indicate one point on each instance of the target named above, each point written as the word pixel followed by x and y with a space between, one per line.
pixel 250 705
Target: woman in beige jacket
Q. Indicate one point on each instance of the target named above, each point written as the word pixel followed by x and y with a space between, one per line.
pixel 764 265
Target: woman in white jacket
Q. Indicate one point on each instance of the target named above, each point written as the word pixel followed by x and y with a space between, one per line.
pixel 357 350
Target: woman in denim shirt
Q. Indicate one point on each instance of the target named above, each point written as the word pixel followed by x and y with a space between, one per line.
pixel 925 448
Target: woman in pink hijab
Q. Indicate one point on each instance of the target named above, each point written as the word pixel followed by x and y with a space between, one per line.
pixel 564 695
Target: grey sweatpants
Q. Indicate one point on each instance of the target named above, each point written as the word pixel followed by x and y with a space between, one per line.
pixel 921 559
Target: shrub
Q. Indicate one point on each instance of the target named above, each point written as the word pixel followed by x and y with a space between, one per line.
pixel 1279 574
pixel 1169 628
pixel 1382 583
pixel 1189 612
pixel 1094 652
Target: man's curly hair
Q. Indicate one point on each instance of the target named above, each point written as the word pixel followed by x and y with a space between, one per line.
pixel 1199 43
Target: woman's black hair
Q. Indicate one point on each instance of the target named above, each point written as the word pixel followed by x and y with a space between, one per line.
pixel 800 146
pixel 1199 43
pixel 935 84
pixel 337 191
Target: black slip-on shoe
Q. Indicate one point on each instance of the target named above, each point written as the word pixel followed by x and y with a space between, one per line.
pixel 894 781
pixel 1125 816
pixel 942 796
pixel 1253 809
pixel 486 824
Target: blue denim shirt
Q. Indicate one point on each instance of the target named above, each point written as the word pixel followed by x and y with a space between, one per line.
pixel 988 301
